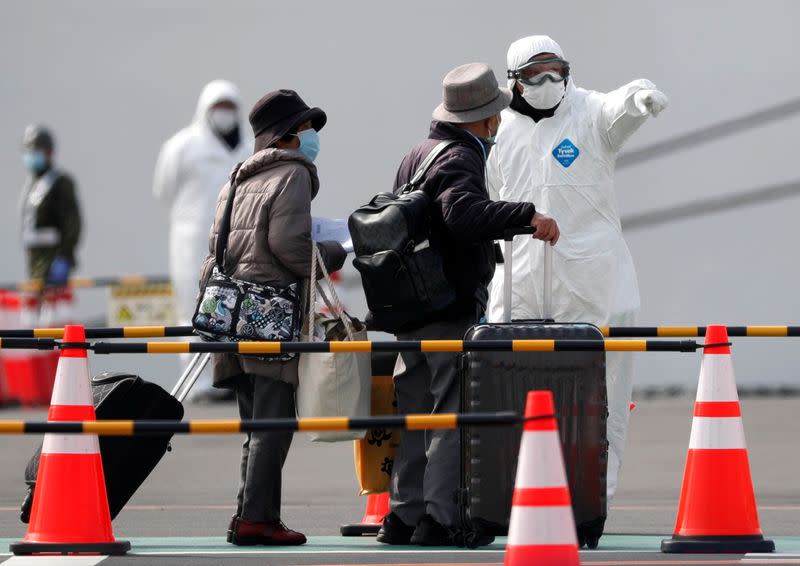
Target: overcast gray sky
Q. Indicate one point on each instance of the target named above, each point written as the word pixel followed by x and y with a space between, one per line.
pixel 115 79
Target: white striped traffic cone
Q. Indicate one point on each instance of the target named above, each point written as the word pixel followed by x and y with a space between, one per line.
pixel 542 529
pixel 70 508
pixel 717 511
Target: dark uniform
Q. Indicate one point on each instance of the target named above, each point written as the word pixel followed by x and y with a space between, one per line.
pixel 51 221
pixel 51 218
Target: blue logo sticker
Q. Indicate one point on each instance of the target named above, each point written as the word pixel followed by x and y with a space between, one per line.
pixel 566 152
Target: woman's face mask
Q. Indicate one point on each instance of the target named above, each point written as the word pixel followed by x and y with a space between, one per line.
pixel 309 143
pixel 547 94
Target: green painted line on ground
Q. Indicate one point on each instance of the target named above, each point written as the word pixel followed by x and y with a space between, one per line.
pixel 366 545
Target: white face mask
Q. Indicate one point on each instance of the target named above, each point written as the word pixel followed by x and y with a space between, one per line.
pixel 546 95
pixel 223 120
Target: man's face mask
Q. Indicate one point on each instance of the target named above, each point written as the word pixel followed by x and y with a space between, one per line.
pixel 35 160
pixel 547 94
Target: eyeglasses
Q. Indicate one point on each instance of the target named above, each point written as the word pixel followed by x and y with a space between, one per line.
pixel 535 73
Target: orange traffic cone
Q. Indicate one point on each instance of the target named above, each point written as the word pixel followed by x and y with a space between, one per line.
pixel 70 509
pixel 542 528
pixel 717 511
pixel 377 509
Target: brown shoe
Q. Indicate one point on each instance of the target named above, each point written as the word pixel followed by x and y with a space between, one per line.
pixel 273 533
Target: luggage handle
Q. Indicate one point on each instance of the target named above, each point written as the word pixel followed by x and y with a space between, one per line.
pixel 189 376
pixel 509 233
pixel 547 292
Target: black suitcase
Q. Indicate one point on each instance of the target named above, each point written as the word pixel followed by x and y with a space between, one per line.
pixel 127 460
pixel 500 381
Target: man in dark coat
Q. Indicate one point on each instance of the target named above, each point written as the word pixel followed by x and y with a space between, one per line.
pixel 465 223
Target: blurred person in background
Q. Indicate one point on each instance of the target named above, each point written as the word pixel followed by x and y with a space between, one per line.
pixel 269 243
pixel 51 216
pixel 192 166
pixel 557 146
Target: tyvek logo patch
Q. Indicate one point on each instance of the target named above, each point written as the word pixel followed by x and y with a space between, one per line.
pixel 566 152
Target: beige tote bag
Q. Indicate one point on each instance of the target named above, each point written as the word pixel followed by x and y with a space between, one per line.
pixel 332 385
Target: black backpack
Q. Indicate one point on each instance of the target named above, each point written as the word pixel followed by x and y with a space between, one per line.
pixel 402 275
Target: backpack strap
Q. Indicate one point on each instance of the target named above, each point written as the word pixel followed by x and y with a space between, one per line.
pixel 419 174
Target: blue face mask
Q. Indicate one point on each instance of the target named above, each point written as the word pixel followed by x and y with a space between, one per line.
pixel 309 143
pixel 35 161
pixel 492 139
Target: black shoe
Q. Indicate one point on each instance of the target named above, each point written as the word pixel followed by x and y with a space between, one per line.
pixel 394 531
pixel 431 533
pixel 232 528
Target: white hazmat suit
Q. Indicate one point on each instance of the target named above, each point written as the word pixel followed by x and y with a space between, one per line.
pixel 565 166
pixel 192 167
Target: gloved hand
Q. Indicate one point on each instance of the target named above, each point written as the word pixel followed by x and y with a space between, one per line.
pixel 59 271
pixel 650 102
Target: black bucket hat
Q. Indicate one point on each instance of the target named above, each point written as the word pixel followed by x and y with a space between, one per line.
pixel 278 112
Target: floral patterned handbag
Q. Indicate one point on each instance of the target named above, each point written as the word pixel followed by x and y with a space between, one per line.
pixel 231 310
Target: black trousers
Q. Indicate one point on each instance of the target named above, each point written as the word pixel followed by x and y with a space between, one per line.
pixel 427 469
pixel 263 453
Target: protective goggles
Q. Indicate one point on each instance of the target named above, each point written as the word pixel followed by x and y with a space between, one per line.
pixel 535 73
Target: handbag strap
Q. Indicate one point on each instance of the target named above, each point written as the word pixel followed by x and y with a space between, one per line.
pixel 225 224
pixel 422 170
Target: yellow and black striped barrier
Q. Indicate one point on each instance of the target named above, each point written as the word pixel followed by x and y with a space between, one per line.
pixel 608 332
pixel 100 332
pixel 428 346
pixel 35 285
pixel 317 424
pixel 696 331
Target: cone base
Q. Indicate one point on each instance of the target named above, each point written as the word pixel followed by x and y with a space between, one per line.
pixel 105 548
pixel 359 530
pixel 717 545
pixel 377 509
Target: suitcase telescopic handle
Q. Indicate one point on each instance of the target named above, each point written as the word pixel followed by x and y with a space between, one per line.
pixel 547 291
pixel 508 234
pixel 190 376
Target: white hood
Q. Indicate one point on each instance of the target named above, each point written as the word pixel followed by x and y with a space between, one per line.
pixel 214 92
pixel 523 49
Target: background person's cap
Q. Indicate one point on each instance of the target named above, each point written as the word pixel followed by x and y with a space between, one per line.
pixel 471 94
pixel 37 137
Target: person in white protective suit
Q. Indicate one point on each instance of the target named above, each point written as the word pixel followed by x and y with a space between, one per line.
pixel 192 167
pixel 556 146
